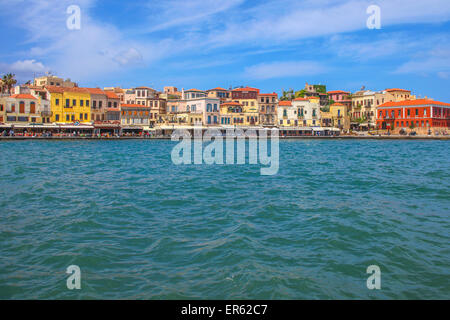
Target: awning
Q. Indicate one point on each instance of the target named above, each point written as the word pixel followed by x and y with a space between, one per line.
pixel 317 129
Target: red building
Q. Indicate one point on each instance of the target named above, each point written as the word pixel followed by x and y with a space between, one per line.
pixel 244 93
pixel 422 115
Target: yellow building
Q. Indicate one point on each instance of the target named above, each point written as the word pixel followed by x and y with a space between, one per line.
pixel 70 105
pixel 248 98
pixel 340 117
pixel 231 113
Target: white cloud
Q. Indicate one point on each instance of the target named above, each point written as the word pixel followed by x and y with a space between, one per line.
pixel 284 69
pixel 24 69
pixel 28 66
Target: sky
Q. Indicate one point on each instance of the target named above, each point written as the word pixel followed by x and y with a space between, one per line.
pixel 272 45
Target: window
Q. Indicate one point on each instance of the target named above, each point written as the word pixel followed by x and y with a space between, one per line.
pixel 67 117
pixel 81 116
pixel 409 112
pixel 115 104
pixel 109 104
pixel 100 104
pixel 57 117
pixel 67 103
pixel 417 112
pixel 87 103
pixel 73 118
pixel 81 103
pixel 57 102
pixel 74 102
pixel 94 104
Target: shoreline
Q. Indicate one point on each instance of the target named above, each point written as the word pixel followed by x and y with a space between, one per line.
pixel 280 138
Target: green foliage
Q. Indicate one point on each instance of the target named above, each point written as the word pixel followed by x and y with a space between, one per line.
pixel 320 88
pixel 300 93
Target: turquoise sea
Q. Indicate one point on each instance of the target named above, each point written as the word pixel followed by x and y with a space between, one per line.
pixel 140 227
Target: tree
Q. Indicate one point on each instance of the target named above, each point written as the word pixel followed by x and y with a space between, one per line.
pixel 9 81
pixel 300 93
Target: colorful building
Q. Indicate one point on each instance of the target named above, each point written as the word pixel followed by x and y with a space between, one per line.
pixel 20 109
pixel 423 116
pixel 221 93
pixel 287 114
pixel 70 105
pixel 340 96
pixel 231 114
pixel 307 111
pixel 268 103
pixel 340 117
pixel 248 98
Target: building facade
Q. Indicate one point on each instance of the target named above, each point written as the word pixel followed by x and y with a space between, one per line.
pixel 70 105
pixel 423 116
pixel 268 104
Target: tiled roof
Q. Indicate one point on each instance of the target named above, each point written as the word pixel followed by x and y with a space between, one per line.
pixel 231 103
pixel 395 89
pixel 95 91
pixel 63 89
pixel 246 89
pixel 196 90
pixel 418 102
pixel 133 106
pixel 337 105
pixel 301 99
pixel 285 103
pixel 218 89
pixel 269 94
pixel 111 95
pixel 338 91
pixel 23 96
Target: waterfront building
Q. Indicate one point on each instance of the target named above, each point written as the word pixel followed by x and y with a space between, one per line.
pixel 50 80
pixel 98 104
pixel 287 114
pixel 43 100
pixel 248 98
pixel 208 108
pixel 193 94
pixel 422 115
pixel 232 114
pixel 70 105
pixel 365 103
pixel 307 111
pixel 221 93
pixel 340 117
pixel 340 96
pixel 268 103
pixel 326 119
pixel 135 118
pixel 20 109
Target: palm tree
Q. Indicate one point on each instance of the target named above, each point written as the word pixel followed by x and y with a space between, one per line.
pixel 9 81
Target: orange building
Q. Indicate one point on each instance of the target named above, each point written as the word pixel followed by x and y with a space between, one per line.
pixel 422 115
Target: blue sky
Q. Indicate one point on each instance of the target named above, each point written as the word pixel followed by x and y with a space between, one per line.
pixel 208 43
